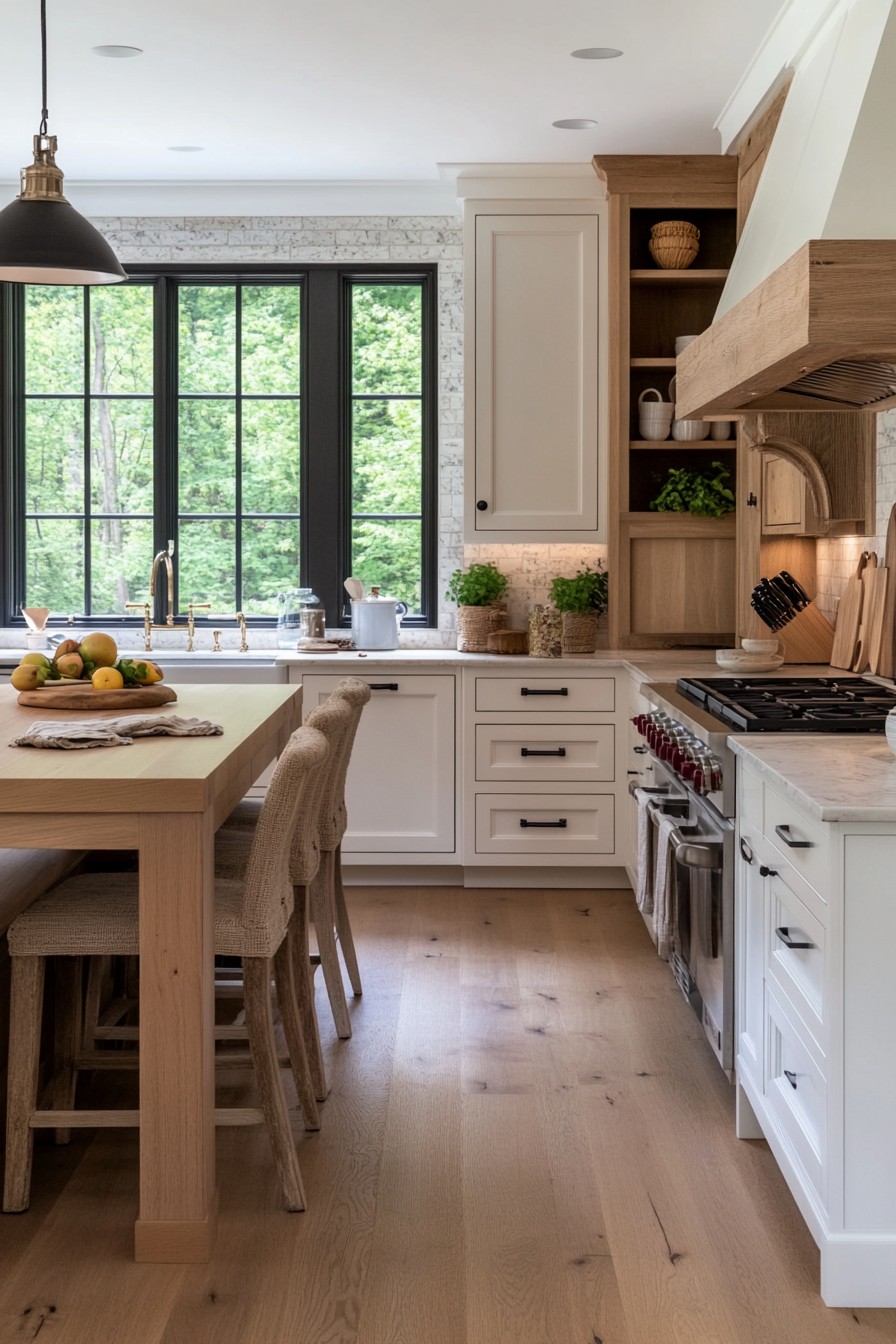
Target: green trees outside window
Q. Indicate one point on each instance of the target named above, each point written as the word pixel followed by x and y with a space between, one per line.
pixel 174 406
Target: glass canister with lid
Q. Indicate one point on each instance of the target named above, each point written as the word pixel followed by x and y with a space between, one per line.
pixel 301 618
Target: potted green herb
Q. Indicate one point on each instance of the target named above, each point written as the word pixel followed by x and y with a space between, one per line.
pixel 480 611
pixel 703 493
pixel 581 600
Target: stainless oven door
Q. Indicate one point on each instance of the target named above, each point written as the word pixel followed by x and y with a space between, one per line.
pixel 703 961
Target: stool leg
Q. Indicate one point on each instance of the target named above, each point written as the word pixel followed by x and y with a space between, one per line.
pixel 292 1030
pixel 67 1036
pixel 26 1003
pixel 343 927
pixel 260 1023
pixel 303 980
pixel 324 916
pixel 92 1000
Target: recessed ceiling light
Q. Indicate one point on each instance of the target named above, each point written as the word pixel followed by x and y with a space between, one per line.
pixel 574 124
pixel 117 53
pixel 186 149
pixel 596 53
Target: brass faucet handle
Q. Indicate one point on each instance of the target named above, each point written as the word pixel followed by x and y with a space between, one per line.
pixel 217 635
pixel 147 623
pixel 191 622
pixel 244 647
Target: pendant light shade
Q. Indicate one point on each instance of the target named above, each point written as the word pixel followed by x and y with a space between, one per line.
pixel 43 239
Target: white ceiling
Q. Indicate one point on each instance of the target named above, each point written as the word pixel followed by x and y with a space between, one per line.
pixel 280 90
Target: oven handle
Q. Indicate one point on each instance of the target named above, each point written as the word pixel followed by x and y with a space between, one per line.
pixel 647 788
pixel 695 855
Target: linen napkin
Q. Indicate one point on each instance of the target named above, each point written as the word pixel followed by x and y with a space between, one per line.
pixel 75 736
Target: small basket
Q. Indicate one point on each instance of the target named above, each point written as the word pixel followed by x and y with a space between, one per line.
pixel 674 244
pixel 579 631
pixel 475 624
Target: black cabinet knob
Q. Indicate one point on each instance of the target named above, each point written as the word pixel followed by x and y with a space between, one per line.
pixel 481 504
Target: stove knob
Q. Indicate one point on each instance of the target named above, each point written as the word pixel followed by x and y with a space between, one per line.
pixel 676 760
pixel 697 779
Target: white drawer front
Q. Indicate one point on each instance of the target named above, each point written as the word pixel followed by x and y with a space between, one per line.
pixel 795 942
pixel 536 693
pixel 517 752
pixel 589 823
pixel 749 801
pixel 795 1090
pixel 804 842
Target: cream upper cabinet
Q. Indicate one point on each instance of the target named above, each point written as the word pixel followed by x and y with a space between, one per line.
pixel 533 426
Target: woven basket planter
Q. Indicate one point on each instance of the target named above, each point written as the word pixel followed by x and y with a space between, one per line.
pixel 545 633
pixel 579 631
pixel 674 244
pixel 475 624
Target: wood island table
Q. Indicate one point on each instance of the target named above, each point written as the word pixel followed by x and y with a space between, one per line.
pixel 165 797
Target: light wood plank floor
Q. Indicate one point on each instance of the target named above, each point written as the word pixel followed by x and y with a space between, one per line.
pixel 527 1142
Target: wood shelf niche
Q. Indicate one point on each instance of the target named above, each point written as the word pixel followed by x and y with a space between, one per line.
pixel 672 576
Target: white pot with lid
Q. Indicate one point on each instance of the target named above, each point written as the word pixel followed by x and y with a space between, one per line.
pixel 375 621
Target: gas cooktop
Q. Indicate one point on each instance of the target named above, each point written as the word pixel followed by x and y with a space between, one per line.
pixel 793 704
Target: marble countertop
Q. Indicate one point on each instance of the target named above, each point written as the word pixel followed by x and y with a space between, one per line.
pixel 835 778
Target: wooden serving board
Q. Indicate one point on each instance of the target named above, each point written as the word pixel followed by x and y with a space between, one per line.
pixel 849 615
pixel 81 695
pixel 509 641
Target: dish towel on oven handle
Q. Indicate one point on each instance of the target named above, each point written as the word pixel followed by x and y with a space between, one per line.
pixel 664 889
pixel 644 892
pixel 75 735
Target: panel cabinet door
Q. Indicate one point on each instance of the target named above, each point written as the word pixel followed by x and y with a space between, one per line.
pixel 536 331
pixel 750 899
pixel 400 786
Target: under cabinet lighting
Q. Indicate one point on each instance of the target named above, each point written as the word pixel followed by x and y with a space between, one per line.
pixel 575 124
pixel 117 53
pixel 596 53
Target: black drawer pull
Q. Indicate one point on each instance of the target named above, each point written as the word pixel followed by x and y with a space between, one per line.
pixel 383 685
pixel 746 852
pixel 767 872
pixel 784 935
pixel 526 690
pixel 791 1078
pixel 783 833
pixel 557 825
pixel 640 751
pixel 528 751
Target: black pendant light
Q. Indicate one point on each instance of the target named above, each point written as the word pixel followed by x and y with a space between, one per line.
pixel 43 239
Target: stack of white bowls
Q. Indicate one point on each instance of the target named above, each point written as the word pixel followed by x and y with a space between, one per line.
pixel 654 417
pixel 687 431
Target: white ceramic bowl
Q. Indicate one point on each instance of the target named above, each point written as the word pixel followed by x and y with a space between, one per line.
pixel 689 431
pixel 682 343
pixel 654 431
pixel 768 647
pixel 738 660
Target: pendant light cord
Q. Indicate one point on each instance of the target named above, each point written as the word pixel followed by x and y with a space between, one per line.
pixel 43 65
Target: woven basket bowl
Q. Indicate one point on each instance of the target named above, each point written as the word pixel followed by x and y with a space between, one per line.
pixel 674 244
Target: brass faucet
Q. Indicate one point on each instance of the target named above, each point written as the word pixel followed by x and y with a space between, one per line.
pixel 192 607
pixel 166 556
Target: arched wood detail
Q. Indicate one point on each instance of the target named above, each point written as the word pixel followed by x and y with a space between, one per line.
pixel 804 460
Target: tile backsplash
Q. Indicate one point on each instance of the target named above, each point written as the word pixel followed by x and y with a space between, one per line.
pixel 530 569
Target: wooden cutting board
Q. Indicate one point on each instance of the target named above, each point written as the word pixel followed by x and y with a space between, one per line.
pixel 886 665
pixel 848 617
pixel 877 598
pixel 869 578
pixel 81 695
pixel 509 641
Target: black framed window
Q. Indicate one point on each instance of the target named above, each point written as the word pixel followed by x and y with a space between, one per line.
pixel 278 424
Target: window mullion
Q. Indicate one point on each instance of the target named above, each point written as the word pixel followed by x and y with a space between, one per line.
pixel 88 539
pixel 238 464
pixel 165 433
pixel 322 507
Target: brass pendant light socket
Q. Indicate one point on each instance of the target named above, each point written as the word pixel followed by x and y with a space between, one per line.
pixel 42 180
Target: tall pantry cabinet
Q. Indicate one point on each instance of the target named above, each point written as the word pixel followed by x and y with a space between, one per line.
pixel 534 365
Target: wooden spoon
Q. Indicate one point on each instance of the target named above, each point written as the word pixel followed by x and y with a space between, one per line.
pixel 355 589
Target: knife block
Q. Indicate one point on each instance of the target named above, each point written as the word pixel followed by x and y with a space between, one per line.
pixel 808 638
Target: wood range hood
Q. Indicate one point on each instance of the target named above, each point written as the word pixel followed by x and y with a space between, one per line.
pixel 818 334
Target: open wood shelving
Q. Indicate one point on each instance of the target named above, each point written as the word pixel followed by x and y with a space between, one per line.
pixel 672 576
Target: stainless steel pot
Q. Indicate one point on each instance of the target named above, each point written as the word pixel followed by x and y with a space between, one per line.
pixel 375 621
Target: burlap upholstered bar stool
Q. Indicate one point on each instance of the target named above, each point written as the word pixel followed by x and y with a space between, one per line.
pixel 328 907
pixel 96 914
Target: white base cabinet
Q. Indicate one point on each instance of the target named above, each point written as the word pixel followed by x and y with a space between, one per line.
pixel 400 789
pixel 816 1004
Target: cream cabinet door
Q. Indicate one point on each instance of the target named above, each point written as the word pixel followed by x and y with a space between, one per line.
pixel 400 786
pixel 536 374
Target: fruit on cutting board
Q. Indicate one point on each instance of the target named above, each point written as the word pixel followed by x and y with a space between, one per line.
pixel 70 665
pixel 38 660
pixel 107 679
pixel 98 649
pixel 139 671
pixel 28 677
pixel 67 646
